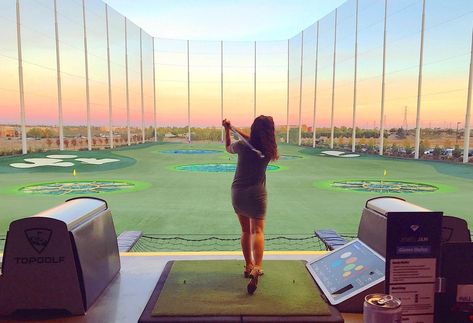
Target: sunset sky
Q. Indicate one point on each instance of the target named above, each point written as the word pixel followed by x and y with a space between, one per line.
pixel 239 23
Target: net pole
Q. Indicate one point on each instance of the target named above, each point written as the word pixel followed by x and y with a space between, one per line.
pixel 109 79
pixel 332 128
pixel 221 87
pixel 127 86
pixel 24 148
pixel 141 89
pixel 154 97
pixel 287 114
pixel 383 83
pixel 300 89
pixel 419 83
pixel 87 90
pixel 355 79
pixel 466 139
pixel 314 139
pixel 188 97
pixel 59 83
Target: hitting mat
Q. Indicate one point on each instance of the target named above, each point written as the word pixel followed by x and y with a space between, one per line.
pixel 216 290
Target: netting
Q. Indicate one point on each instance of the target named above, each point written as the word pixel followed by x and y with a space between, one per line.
pixel 230 242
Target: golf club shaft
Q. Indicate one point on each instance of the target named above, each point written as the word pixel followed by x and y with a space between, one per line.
pixel 246 142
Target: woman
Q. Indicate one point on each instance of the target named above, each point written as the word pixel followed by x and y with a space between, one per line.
pixel 249 190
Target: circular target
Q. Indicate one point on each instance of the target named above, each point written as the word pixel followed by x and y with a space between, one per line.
pixel 378 186
pixel 79 187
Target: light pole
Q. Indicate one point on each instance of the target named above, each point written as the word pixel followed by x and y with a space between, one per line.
pixel 456 135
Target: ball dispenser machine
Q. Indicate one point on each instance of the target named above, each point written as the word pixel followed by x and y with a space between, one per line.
pixel 347 274
pixel 60 259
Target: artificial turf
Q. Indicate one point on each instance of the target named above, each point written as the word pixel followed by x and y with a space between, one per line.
pixel 217 288
pixel 177 202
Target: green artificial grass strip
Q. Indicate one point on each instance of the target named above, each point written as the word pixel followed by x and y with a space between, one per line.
pixel 217 288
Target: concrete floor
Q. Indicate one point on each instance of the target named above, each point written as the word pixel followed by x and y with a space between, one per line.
pixel 124 300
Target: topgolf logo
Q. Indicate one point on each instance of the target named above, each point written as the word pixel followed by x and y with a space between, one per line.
pixel 38 238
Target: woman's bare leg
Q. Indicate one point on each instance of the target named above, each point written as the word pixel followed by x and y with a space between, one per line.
pixel 257 227
pixel 245 240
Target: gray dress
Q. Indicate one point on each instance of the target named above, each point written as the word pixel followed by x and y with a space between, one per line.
pixel 249 184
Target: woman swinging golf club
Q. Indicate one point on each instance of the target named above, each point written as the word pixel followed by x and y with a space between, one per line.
pixel 249 189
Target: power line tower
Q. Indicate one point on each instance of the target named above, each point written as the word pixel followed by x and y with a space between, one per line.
pixel 404 124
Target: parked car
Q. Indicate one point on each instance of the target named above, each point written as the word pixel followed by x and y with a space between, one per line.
pixel 448 152
pixel 429 152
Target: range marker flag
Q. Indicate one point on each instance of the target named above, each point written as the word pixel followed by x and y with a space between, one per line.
pixel 385 172
pixel 74 172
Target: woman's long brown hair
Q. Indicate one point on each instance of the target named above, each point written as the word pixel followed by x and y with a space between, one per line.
pixel 263 136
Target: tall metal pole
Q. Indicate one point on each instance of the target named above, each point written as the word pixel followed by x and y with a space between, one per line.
pixel 87 91
pixel 287 114
pixel 188 96
pixel 127 86
pixel 332 128
pixel 315 86
pixel 109 75
pixel 466 139
pixel 254 87
pixel 221 85
pixel 381 119
pixel 300 88
pixel 59 83
pixel 419 84
pixel 24 148
pixel 154 97
pixel 353 124
pixel 142 91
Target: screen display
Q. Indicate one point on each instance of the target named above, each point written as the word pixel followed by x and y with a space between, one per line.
pixel 347 271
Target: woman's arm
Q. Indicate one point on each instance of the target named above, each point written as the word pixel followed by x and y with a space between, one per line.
pixel 228 141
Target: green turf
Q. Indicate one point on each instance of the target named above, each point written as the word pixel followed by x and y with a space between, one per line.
pixel 217 288
pixel 199 203
pixel 80 167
